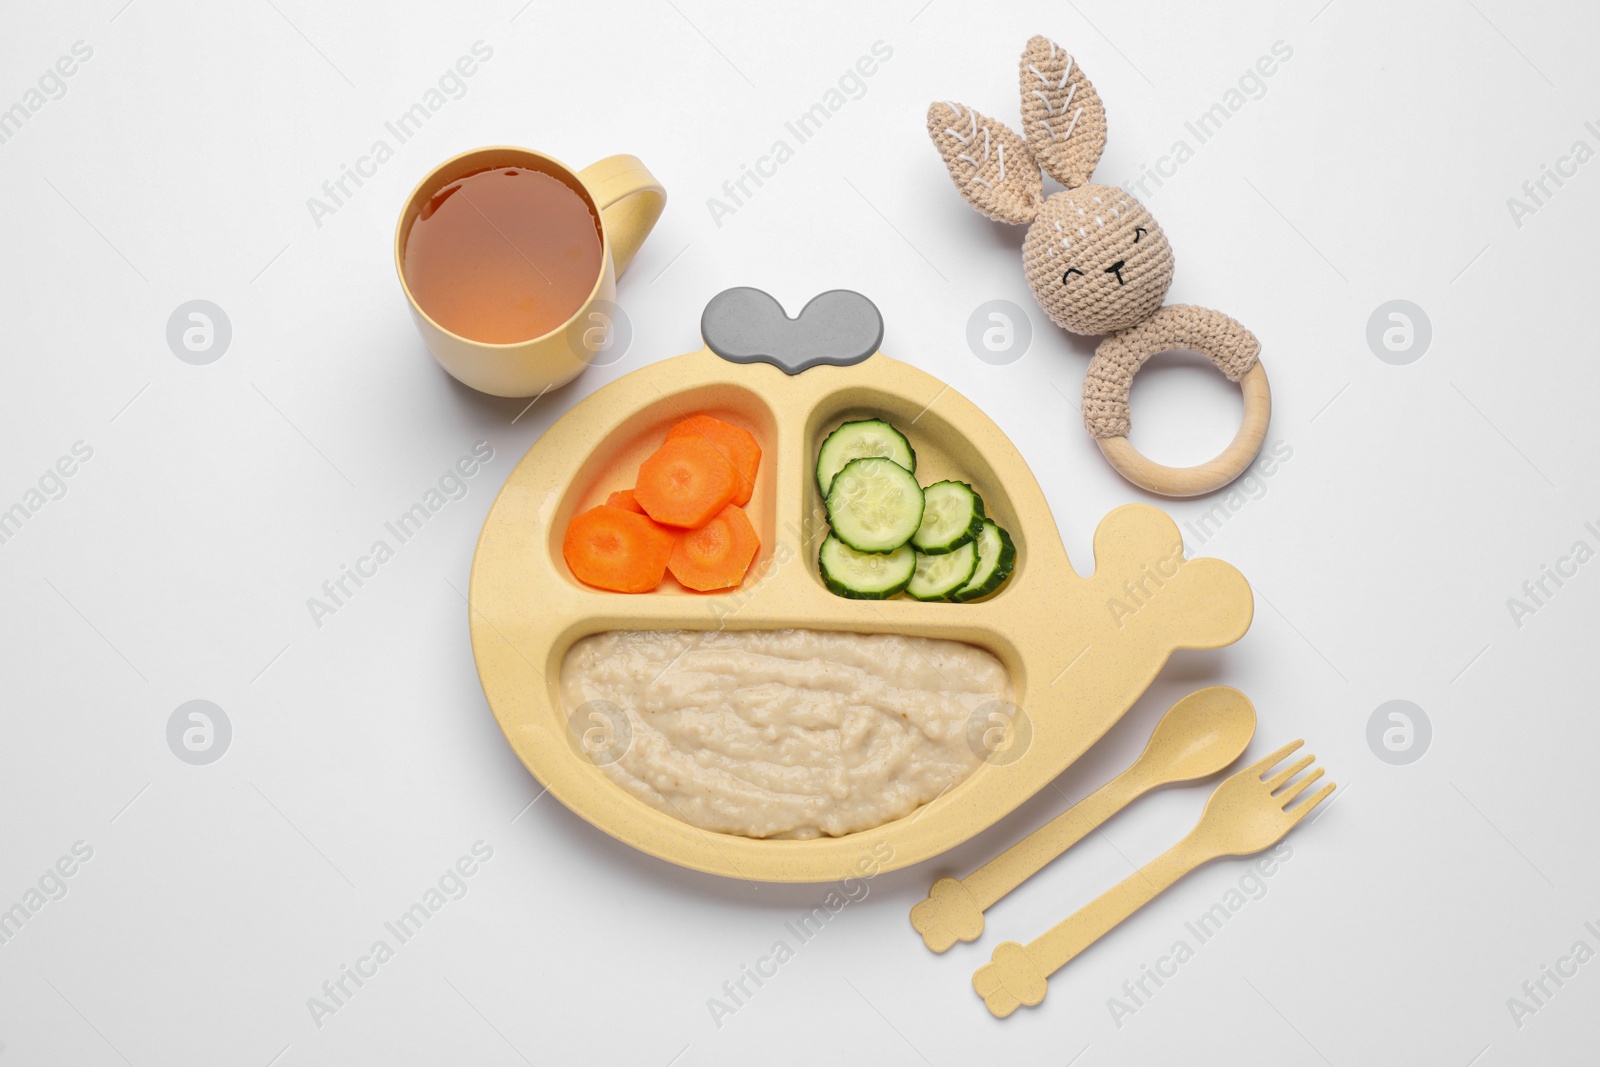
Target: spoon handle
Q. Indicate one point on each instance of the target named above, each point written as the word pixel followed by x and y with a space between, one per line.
pixel 989 883
pixel 953 910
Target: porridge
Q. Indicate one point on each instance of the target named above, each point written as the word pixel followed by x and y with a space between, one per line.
pixel 782 733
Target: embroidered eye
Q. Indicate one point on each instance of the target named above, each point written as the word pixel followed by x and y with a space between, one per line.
pixel 1138 232
pixel 1067 277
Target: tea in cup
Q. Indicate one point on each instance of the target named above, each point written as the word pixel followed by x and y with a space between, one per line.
pixel 509 261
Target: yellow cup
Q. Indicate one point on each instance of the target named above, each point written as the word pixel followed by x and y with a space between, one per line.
pixel 627 200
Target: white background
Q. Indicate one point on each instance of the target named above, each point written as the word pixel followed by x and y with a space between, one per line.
pixel 1375 166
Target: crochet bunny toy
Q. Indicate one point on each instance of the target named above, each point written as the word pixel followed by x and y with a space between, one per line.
pixel 1096 260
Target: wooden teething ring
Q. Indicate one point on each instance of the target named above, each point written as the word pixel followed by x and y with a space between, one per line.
pixel 1109 380
pixel 1213 474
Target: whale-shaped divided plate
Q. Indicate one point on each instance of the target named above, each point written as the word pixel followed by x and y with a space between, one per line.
pixel 1080 648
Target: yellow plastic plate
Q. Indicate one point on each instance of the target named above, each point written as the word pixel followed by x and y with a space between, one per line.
pixel 1080 649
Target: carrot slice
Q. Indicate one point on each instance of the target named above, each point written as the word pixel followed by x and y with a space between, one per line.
pixel 717 555
pixel 610 548
pixel 739 446
pixel 686 482
pixel 624 499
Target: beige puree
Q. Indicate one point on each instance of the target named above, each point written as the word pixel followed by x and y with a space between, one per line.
pixel 783 733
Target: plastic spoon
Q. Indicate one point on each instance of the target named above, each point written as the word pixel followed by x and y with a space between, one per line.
pixel 1200 735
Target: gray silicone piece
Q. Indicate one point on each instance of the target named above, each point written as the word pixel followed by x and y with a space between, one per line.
pixel 746 325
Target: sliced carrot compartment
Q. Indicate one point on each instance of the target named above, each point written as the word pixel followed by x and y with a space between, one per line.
pixel 624 499
pixel 717 555
pixel 622 551
pixel 739 446
pixel 686 482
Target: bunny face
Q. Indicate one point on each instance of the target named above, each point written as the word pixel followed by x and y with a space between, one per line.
pixel 1096 260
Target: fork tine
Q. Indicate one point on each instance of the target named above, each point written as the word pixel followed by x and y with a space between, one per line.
pixel 1305 809
pixel 1262 767
pixel 1277 780
pixel 1288 795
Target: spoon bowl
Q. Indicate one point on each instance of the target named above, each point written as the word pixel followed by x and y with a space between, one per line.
pixel 1199 736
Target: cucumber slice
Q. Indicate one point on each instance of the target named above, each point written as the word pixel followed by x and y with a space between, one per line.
pixel 939 576
pixel 859 440
pixel 864 575
pixel 997 556
pixel 874 505
pixel 952 516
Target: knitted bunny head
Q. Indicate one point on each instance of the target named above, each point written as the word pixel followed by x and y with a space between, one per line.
pixel 1095 258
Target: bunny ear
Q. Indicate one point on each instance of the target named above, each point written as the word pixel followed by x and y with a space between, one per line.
pixel 1062 115
pixel 989 163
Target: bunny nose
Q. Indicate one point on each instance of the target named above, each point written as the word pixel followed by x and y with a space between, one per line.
pixel 1116 268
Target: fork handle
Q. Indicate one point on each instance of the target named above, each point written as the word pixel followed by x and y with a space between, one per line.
pixel 1056 947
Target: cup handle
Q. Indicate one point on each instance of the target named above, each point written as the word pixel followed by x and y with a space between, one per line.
pixel 630 201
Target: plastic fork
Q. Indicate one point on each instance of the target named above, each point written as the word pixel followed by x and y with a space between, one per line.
pixel 1248 812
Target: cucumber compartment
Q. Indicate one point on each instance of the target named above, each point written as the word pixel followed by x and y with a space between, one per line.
pixel 954 479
